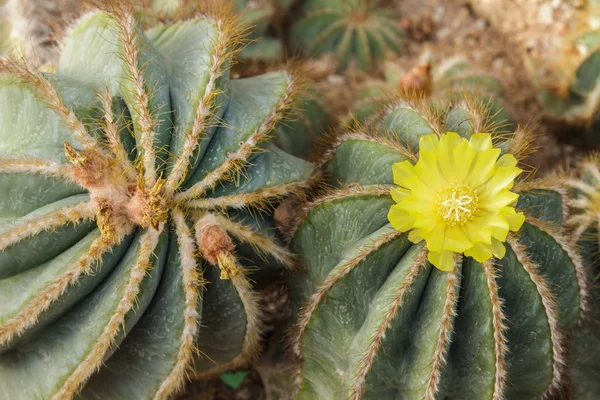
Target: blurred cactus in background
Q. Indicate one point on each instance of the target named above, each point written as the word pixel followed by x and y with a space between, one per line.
pixel 266 18
pixel 360 31
pixel 446 82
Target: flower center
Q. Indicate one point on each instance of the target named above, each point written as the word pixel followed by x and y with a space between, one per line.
pixel 457 203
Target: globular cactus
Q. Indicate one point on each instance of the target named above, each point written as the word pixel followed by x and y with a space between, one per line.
pixel 442 83
pixel 137 190
pixel 584 360
pixel 378 320
pixel 359 30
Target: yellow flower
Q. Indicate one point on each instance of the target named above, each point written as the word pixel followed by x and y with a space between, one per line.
pixel 457 198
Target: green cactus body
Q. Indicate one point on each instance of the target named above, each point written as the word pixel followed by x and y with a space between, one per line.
pixel 449 81
pixel 584 357
pixel 129 231
pixel 377 321
pixel 357 30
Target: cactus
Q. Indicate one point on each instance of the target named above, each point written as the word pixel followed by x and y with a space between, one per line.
pixel 359 30
pixel 584 360
pixel 443 84
pixel 377 320
pixel 137 191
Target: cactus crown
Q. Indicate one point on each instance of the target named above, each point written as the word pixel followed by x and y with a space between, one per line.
pixel 379 321
pixel 352 30
pixel 167 167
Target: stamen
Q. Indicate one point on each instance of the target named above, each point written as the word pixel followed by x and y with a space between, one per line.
pixel 457 204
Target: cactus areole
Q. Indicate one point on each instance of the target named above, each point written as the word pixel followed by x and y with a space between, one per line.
pixel 137 190
pixel 378 321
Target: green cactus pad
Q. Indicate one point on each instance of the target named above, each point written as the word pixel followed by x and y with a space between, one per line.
pixel 377 321
pixel 99 302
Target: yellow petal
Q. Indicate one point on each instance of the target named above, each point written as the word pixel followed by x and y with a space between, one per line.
pixel 450 140
pixel 456 240
pixel 503 177
pixel 483 167
pixel 420 189
pixel 480 252
pixel 443 261
pixel 498 249
pixel 464 156
pixel 399 194
pixel 435 238
pixel 428 221
pixel 515 220
pixel 481 141
pixel 498 224
pixel 479 232
pixel 400 219
pixel 428 142
pixel 402 171
pixel 498 201
pixel 415 205
pixel 415 236
pixel 427 169
pixel 445 154
pixel 507 160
